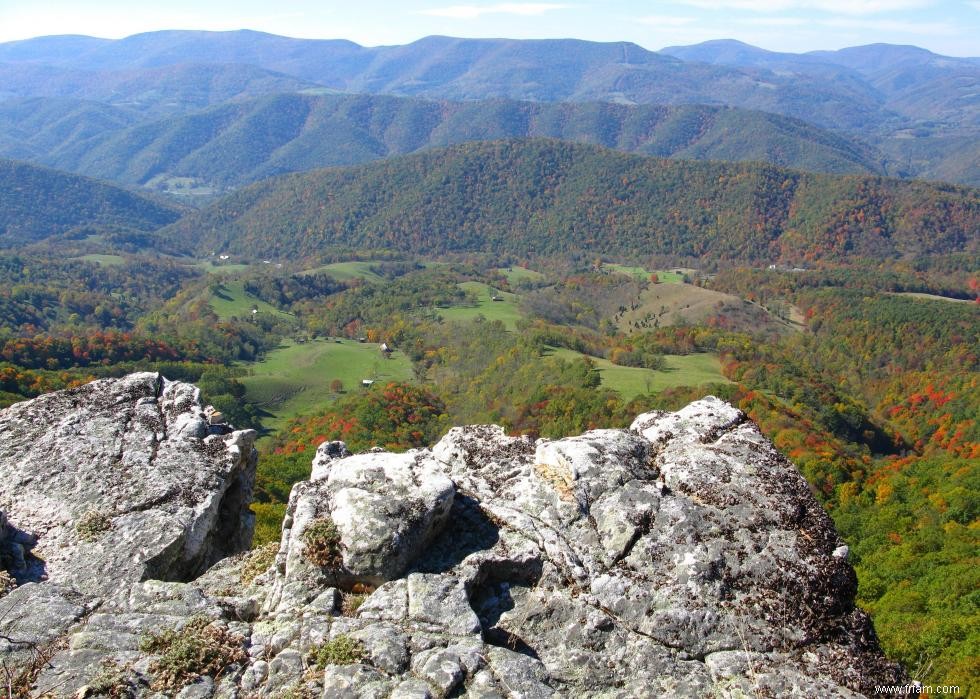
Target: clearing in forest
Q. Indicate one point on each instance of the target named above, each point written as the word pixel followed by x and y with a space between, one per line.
pixel 229 299
pixel 296 378
pixel 680 370
pixel 504 308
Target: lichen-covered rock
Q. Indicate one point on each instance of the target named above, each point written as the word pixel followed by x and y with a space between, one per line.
pixel 111 483
pixel 684 556
pixel 359 520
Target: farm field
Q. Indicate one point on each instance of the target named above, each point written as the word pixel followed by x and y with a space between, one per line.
pixel 295 379
pixel 505 310
pixel 105 260
pixel 931 297
pixel 681 370
pixel 664 304
pixel 672 276
pixel 345 271
pixel 232 300
pixel 519 274
pixel 224 268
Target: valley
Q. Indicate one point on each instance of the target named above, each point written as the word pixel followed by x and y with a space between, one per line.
pixel 377 244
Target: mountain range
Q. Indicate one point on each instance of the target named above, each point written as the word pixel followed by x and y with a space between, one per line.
pixel 239 142
pixel 828 88
pixel 896 110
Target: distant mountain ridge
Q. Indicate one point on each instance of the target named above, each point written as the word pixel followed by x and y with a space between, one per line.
pixel 159 91
pixel 921 109
pixel 451 68
pixel 914 82
pixel 240 142
pixel 545 197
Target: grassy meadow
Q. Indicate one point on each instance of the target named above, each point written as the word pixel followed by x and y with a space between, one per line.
pixel 231 300
pixel 671 276
pixel 104 260
pixel 681 370
pixel 519 274
pixel 345 271
pixel 295 379
pixel 505 310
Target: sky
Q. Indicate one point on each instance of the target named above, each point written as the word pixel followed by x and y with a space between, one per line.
pixel 950 27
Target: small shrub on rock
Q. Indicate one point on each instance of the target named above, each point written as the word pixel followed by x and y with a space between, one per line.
pixel 114 681
pixel 351 603
pixel 296 691
pixel 200 647
pixel 7 582
pixel 342 650
pixel 258 561
pixel 321 543
pixel 93 524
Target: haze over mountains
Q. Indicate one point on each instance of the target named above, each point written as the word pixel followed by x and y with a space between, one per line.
pixel 154 107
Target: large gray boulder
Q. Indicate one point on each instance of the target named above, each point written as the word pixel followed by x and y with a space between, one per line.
pixel 118 481
pixel 381 510
pixel 683 556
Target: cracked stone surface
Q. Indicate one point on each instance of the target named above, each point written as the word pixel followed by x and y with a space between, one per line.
pixel 684 556
pixel 111 483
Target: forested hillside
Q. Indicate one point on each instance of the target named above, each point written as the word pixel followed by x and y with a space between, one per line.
pixel 549 198
pixel 38 203
pixel 243 141
pixel 155 91
pixel 452 68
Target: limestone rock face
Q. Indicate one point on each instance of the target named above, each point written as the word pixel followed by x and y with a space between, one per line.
pixel 683 556
pixel 111 483
pixel 386 509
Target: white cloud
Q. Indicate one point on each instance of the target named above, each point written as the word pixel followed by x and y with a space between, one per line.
pixel 666 20
pixel 847 7
pixel 477 11
pixel 894 26
pixel 773 21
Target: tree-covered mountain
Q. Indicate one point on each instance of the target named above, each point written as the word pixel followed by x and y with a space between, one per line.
pixel 452 68
pixel 244 141
pixel 937 98
pixel 154 92
pixel 914 82
pixel 906 101
pixel 38 203
pixel 33 128
pixel 544 197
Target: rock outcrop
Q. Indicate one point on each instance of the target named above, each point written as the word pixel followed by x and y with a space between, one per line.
pixel 115 482
pixel 681 556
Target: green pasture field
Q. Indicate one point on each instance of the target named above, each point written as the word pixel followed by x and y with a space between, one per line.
pixel 504 310
pixel 211 268
pixel 105 260
pixel 295 379
pixel 233 300
pixel 670 276
pixel 344 271
pixel 681 370
pixel 517 274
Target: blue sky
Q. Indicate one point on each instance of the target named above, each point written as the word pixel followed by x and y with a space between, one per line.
pixel 951 27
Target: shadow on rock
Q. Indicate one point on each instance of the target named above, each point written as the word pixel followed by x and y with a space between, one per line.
pixel 469 530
